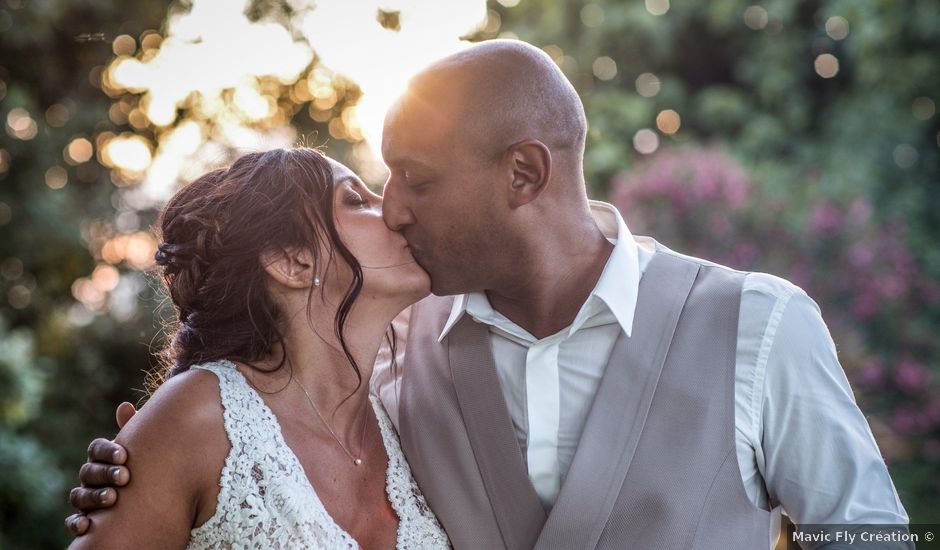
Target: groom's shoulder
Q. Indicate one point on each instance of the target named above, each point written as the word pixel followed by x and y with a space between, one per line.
pixel 652 246
pixel 755 283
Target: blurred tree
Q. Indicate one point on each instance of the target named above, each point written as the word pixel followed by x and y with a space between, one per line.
pixel 61 367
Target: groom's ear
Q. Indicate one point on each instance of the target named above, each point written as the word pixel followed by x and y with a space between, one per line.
pixel 531 164
pixel 292 267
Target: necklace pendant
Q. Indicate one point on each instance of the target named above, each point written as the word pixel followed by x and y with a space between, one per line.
pixel 357 462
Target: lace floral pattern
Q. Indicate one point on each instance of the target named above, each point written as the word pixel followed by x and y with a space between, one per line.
pixel 266 500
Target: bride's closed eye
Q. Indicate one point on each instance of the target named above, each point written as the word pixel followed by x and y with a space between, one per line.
pixel 353 198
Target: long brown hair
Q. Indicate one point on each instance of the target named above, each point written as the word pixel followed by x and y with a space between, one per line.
pixel 214 232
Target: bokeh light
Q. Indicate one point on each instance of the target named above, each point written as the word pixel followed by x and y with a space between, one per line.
pixel 837 27
pixel 592 15
pixel 604 68
pixel 657 7
pixel 57 115
pixel 668 121
pixel 647 85
pixel 56 177
pixel 905 155
pixel 127 152
pixel 124 45
pixel 20 124
pixel 105 277
pixel 19 296
pixel 208 63
pixel 755 17
pixel 826 65
pixel 923 108
pixel 79 150
pixel 645 141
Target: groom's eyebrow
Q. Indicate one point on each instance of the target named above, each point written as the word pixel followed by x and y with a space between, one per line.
pixel 409 163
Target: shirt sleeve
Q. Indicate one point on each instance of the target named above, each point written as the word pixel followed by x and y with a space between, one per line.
pixel 820 459
pixel 386 374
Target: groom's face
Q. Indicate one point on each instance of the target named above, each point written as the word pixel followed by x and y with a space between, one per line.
pixel 441 195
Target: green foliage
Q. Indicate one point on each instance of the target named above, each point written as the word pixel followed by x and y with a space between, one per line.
pixel 60 377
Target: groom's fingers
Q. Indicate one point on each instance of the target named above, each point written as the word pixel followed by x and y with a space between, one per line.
pixel 124 413
pixel 87 499
pixel 109 452
pixel 93 474
pixel 77 524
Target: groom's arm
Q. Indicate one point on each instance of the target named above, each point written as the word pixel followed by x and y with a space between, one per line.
pixel 101 476
pixel 176 447
pixel 820 460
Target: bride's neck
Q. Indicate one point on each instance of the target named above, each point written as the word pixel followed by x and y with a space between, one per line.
pixel 318 362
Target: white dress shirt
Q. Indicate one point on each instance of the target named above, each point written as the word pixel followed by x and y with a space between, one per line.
pixel 803 445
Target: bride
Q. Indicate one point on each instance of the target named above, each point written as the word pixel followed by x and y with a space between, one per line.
pixel 263 434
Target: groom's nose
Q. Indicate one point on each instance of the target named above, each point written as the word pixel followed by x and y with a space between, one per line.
pixel 395 210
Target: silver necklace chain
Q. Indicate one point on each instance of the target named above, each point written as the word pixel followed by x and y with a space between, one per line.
pixel 357 460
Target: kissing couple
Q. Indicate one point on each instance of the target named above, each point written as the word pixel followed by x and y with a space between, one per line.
pixel 480 358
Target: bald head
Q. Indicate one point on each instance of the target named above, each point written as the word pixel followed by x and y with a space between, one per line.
pixel 500 92
pixel 485 152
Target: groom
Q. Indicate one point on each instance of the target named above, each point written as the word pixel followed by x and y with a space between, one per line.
pixel 572 385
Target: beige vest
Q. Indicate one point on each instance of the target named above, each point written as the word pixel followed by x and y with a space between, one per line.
pixel 656 467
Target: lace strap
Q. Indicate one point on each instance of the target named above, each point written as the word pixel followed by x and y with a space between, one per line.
pixel 233 387
pixel 243 410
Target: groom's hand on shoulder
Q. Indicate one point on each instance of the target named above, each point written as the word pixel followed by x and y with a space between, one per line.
pixel 100 476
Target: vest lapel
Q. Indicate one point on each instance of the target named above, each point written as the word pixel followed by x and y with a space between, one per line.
pixel 515 503
pixel 618 414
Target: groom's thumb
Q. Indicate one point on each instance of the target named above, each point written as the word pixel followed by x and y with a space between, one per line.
pixel 124 413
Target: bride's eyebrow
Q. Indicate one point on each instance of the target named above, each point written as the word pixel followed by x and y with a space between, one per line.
pixel 352 181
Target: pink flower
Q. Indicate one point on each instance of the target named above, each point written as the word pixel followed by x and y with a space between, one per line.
pixel 825 219
pixel 911 376
pixel 744 255
pixel 904 421
pixel 872 375
pixel 688 178
pixel 859 212
pixel 861 254
pixel 865 305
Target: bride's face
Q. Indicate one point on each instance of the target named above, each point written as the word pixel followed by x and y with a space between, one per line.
pixel 389 271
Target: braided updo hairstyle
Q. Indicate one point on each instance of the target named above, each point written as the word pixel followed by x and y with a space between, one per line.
pixel 214 232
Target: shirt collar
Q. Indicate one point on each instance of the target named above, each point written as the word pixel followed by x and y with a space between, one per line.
pixel 618 285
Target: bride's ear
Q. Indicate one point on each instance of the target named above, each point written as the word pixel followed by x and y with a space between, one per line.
pixel 291 267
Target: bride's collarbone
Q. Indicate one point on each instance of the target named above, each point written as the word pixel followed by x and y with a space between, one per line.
pixel 353 495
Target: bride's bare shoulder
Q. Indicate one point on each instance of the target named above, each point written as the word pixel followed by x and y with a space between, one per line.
pixel 189 401
pixel 181 426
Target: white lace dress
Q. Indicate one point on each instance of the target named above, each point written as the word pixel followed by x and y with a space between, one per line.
pixel 266 500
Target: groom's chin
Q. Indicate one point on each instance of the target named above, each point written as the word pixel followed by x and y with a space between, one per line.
pixel 445 289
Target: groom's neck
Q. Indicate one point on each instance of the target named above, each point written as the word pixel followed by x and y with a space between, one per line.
pixel 560 269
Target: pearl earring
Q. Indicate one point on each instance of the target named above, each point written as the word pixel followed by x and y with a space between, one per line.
pixel 316 281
